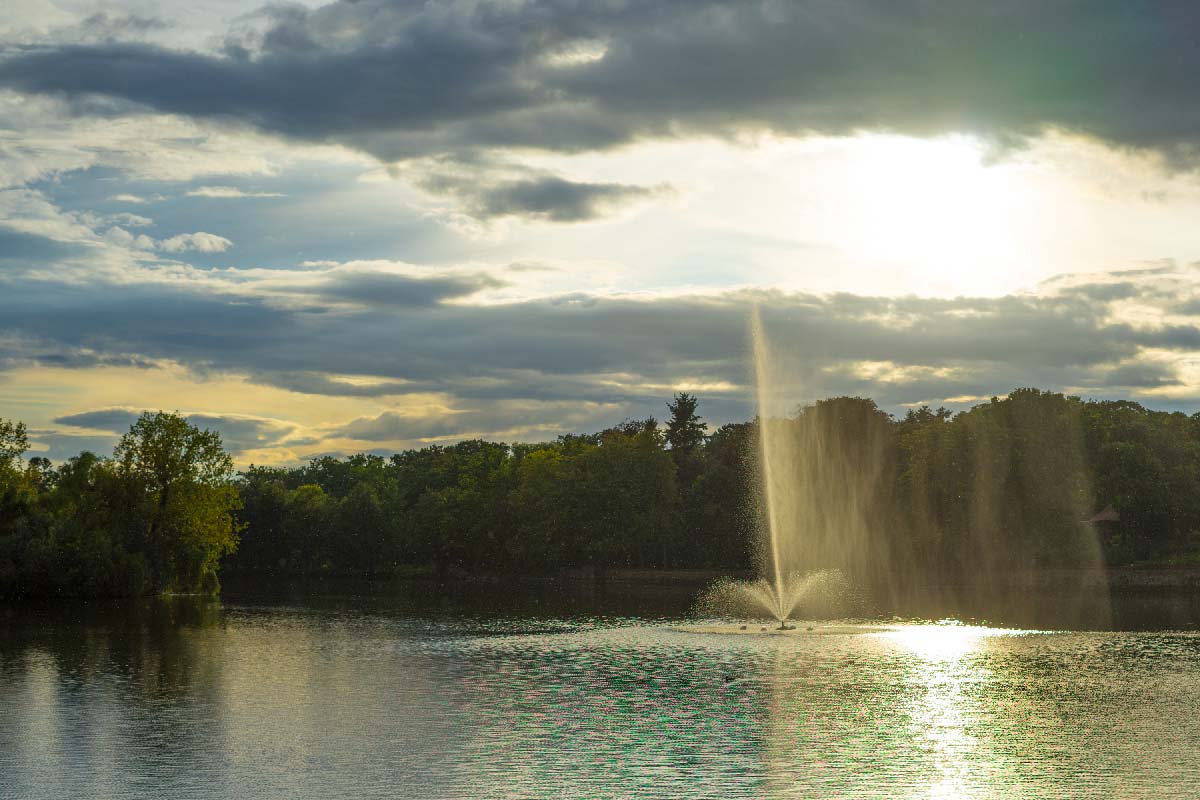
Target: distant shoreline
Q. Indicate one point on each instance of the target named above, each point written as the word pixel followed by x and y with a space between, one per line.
pixel 1117 578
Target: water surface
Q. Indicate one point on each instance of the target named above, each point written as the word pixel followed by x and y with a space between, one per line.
pixel 350 697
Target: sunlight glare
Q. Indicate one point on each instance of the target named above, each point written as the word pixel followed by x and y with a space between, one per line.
pixel 941 642
pixel 939 212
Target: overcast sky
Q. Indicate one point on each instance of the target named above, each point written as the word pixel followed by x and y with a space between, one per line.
pixel 373 225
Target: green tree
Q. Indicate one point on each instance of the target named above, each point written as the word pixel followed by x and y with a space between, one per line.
pixel 308 517
pixel 685 429
pixel 540 506
pixel 13 442
pixel 624 501
pixel 17 492
pixel 719 507
pixel 182 500
pixel 265 546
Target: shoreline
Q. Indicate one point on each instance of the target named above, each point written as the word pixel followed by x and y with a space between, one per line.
pixel 1042 579
pixel 1121 580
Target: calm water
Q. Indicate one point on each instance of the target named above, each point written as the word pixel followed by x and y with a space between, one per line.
pixel 430 699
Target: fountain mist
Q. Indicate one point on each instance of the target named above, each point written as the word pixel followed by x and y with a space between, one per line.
pixel 821 491
pixel 847 500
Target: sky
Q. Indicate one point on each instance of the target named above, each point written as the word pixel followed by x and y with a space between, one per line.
pixel 369 226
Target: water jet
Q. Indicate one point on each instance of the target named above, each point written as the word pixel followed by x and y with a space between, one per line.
pixel 813 499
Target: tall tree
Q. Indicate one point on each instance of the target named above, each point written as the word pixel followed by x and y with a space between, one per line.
pixel 179 481
pixel 685 430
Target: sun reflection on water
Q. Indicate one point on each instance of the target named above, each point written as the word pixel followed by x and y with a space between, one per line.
pixel 943 641
pixel 944 711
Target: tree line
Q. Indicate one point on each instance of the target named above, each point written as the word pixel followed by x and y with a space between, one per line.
pixel 1035 479
pixel 156 517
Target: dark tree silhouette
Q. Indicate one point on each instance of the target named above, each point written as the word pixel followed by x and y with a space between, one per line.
pixel 685 430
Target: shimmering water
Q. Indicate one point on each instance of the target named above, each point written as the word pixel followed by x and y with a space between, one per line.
pixel 321 700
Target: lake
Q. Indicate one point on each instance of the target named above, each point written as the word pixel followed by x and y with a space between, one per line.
pixel 506 693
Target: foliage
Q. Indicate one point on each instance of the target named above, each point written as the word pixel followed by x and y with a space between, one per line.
pixel 1009 484
pixel 685 430
pixel 158 516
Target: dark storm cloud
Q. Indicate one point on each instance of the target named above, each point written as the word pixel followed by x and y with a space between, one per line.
pixel 407 79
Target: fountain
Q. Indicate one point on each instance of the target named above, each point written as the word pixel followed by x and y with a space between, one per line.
pixel 818 495
pixel 837 516
pixel 819 593
pixel 775 453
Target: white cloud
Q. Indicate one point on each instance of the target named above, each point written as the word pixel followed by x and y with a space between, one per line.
pixel 123 238
pixel 229 192
pixel 131 220
pixel 200 241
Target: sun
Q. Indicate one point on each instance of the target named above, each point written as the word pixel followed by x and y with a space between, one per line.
pixel 950 219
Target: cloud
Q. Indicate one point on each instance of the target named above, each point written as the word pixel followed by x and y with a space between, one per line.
pixel 544 197
pixel 227 192
pixel 128 198
pixel 115 420
pixel 556 199
pixel 29 249
pixel 239 433
pixel 104 27
pixel 428 79
pixel 200 241
pixel 395 290
pixel 1140 375
pixel 531 266
pixel 528 420
pixel 123 238
pixel 396 336
pixel 1122 290
pixel 388 332
pixel 131 220
pixel 323 384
